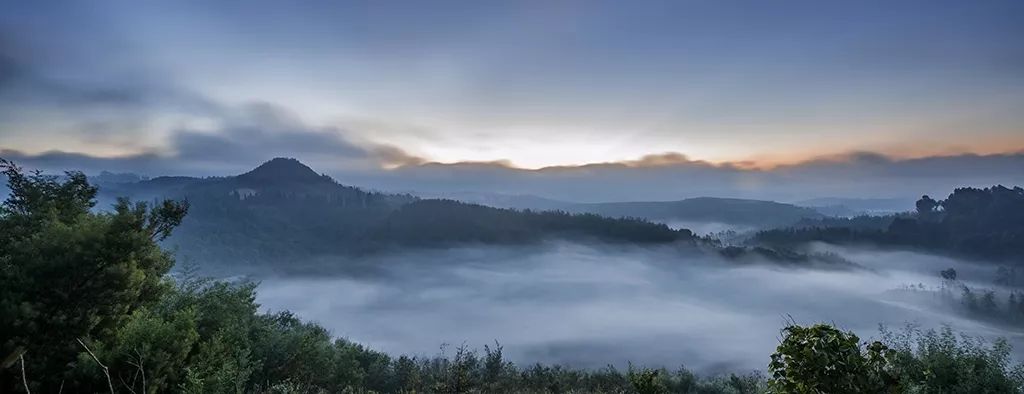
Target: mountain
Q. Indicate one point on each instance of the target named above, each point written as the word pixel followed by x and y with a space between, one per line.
pixel 498 200
pixel 705 209
pixel 840 206
pixel 730 211
pixel 107 177
pixel 283 170
pixel 283 211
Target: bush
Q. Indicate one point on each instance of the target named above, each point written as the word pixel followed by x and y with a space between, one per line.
pixel 824 359
pixel 941 362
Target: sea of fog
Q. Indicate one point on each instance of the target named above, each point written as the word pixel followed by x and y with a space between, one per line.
pixel 594 306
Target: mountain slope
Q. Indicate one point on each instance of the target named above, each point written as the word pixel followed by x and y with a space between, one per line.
pixel 431 222
pixel 284 211
pixel 705 209
pixel 283 170
pixel 733 211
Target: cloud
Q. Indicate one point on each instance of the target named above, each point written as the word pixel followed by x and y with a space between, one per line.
pixel 231 139
pixel 204 136
pixel 28 79
pixel 242 138
pixel 659 160
pixel 393 157
pixel 260 131
pixel 266 132
pixel 672 176
pixel 54 161
pixel 1007 165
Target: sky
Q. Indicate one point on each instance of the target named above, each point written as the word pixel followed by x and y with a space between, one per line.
pixel 526 84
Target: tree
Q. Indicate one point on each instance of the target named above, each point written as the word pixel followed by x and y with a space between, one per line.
pixel 983 223
pixel 68 273
pixel 824 359
pixel 926 208
pixel 969 299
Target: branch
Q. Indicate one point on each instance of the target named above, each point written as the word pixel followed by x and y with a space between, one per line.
pixel 125 384
pixel 140 369
pixel 106 371
pixel 24 380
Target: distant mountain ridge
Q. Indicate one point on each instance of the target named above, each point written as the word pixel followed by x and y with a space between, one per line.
pixel 841 206
pixel 736 211
pixel 284 211
pixel 284 217
pixel 707 209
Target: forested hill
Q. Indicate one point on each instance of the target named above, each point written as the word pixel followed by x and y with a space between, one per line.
pixel 432 222
pixel 979 223
pixel 283 210
pixel 707 209
pixel 734 211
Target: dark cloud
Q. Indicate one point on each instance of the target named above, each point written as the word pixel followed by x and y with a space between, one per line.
pixel 23 80
pixel 119 109
pixel 54 161
pixel 245 137
pixel 40 80
pixel 391 156
pixel 262 131
pixel 967 165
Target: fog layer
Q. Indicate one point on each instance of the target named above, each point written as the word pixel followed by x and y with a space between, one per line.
pixel 590 307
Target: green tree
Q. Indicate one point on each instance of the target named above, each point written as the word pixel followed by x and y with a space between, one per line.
pixel 824 359
pixel 647 381
pixel 926 208
pixel 67 272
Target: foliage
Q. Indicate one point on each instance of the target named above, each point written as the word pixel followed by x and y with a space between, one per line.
pixel 824 359
pixel 705 209
pixel 940 362
pixel 68 273
pixel 442 222
pixel 207 337
pixel 982 223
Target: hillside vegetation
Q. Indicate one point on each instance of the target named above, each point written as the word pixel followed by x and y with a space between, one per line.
pixel 983 223
pixel 283 210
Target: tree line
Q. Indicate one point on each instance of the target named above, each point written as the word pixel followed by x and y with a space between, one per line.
pixel 984 223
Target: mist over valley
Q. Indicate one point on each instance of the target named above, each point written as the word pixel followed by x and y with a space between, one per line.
pixel 682 286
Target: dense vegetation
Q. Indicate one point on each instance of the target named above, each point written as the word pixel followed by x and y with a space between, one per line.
pixel 861 222
pixel 439 222
pixel 824 359
pixel 982 223
pixel 706 209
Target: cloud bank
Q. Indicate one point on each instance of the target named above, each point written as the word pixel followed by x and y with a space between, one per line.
pixel 240 146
